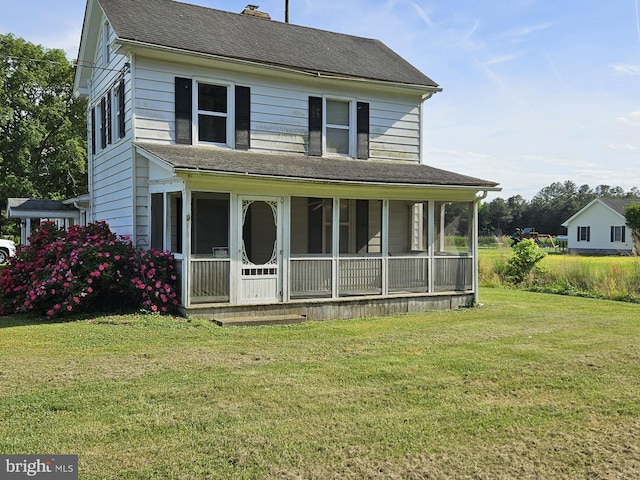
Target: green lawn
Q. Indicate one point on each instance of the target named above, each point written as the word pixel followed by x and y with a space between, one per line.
pixel 527 386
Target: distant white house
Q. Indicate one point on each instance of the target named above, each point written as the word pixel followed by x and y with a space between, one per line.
pixel 600 228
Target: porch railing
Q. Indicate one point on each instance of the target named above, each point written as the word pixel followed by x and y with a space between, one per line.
pixel 408 274
pixel 452 274
pixel 359 276
pixel 310 277
pixel 210 280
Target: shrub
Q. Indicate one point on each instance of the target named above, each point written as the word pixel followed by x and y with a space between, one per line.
pixel 86 269
pixel 526 254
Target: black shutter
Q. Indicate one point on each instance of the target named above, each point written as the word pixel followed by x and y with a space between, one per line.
pixel 362 226
pixel 184 102
pixel 314 223
pixel 121 121
pixel 109 136
pixel 613 234
pixel 623 233
pixel 363 131
pixel 243 118
pixel 588 234
pixel 315 126
pixel 93 130
pixel 103 123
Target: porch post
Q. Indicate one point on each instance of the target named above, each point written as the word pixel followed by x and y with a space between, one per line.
pixel 385 247
pixel 474 252
pixel 430 247
pixel 186 247
pixel 335 247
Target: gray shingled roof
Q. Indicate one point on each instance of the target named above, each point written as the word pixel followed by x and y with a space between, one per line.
pixel 308 168
pixel 39 205
pixel 193 28
pixel 619 204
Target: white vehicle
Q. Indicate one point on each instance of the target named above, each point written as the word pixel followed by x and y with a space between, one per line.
pixel 7 250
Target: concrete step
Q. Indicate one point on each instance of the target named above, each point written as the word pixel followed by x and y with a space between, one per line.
pixel 256 320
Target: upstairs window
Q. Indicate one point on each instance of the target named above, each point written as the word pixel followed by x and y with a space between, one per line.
pixel 216 114
pixel 106 46
pixel 338 127
pixel 212 113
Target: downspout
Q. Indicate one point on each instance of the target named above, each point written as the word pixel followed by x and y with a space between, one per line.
pixel 476 269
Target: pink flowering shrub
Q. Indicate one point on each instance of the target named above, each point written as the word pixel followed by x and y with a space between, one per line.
pixel 86 269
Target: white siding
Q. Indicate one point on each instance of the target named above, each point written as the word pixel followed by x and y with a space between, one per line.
pixel 600 219
pixel 279 110
pixel 111 168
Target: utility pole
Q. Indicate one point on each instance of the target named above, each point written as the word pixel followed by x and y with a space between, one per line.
pixel 286 11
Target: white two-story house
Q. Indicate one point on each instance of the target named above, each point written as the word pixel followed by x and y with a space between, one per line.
pixel 282 165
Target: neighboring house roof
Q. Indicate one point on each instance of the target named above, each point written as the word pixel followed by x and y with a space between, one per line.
pixel 192 28
pixel 616 205
pixel 308 168
pixel 33 207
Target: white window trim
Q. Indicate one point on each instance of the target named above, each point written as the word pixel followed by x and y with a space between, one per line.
pixel 230 115
pixel 352 126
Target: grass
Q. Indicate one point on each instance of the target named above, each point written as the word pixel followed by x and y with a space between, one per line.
pixel 527 386
pixel 610 277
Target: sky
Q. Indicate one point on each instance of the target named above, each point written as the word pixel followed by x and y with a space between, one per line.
pixel 534 91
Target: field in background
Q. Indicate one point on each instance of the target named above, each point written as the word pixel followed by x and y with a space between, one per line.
pixel 528 386
pixel 610 277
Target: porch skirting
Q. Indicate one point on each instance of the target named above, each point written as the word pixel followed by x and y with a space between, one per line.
pixel 341 308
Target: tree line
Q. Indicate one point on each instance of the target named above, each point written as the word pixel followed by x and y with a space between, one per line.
pixel 43 128
pixel 547 210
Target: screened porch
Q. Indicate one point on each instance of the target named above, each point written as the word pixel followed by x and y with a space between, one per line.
pixel 290 249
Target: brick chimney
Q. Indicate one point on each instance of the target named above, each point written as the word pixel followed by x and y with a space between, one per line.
pixel 253 11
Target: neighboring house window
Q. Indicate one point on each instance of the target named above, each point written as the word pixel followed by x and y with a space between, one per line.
pixel 214 123
pixel 584 234
pixel 618 234
pixel 331 129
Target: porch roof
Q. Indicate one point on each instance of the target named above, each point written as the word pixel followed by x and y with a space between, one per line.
pixel 39 208
pixel 302 167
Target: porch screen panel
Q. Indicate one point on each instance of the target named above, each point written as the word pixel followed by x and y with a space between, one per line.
pixel 157 222
pixel 453 274
pixel 210 224
pixel 453 228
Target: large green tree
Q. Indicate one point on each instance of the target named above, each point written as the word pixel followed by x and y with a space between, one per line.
pixel 43 146
pixel 632 216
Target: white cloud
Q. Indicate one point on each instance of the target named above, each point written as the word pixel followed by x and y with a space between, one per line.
pixel 632 118
pixel 627 147
pixel 524 31
pixel 626 69
pixel 422 14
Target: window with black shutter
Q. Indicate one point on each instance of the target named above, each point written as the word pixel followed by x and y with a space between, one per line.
pixel 93 130
pixel 363 131
pixel 183 106
pixel 103 123
pixel 315 126
pixel 243 118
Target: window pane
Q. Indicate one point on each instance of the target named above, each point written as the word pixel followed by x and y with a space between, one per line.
pixel 337 113
pixel 453 227
pixel 212 129
pixel 210 224
pixel 338 141
pixel 212 98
